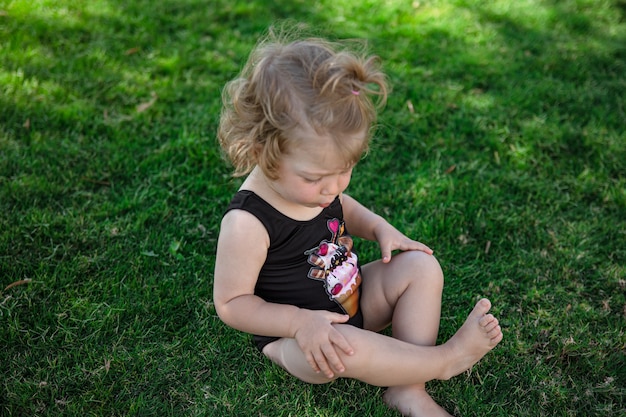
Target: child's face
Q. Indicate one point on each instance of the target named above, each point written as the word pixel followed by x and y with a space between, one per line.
pixel 312 174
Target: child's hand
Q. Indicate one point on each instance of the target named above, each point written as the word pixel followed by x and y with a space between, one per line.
pixel 390 239
pixel 319 340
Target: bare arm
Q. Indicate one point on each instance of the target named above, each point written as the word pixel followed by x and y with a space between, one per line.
pixel 361 221
pixel 366 224
pixel 241 251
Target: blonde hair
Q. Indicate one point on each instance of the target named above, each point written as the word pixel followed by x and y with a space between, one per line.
pixel 302 84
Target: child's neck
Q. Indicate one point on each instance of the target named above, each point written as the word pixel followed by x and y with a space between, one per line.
pixel 258 183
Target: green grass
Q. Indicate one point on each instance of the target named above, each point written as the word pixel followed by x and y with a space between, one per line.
pixel 503 147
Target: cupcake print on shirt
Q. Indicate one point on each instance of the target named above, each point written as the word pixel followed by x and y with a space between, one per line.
pixel 334 263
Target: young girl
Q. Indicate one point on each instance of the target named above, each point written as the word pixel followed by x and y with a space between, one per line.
pixel 296 121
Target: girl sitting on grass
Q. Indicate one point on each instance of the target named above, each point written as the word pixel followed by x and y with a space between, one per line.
pixel 296 121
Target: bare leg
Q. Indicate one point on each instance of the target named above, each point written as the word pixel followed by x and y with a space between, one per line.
pixel 385 361
pixel 412 285
pixel 416 282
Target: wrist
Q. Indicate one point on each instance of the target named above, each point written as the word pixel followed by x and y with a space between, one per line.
pixel 296 321
pixel 378 227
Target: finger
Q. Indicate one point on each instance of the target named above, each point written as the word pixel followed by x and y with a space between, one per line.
pixel 339 318
pixel 341 342
pixel 421 247
pixel 385 253
pixel 320 360
pixel 333 359
pixel 312 363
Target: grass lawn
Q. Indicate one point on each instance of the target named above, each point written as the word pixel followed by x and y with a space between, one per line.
pixel 503 147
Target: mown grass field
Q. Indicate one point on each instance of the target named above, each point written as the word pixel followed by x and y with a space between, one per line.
pixel 503 147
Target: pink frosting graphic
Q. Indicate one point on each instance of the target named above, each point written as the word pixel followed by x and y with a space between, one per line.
pixel 334 263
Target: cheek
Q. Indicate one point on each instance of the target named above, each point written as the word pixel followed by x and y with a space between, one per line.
pixel 345 181
pixel 307 189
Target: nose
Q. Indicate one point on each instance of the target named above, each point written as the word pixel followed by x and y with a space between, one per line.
pixel 332 186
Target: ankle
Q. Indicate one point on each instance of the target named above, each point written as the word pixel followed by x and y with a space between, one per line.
pixel 450 354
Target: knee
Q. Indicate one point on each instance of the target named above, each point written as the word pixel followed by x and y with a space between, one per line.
pixel 271 351
pixel 426 267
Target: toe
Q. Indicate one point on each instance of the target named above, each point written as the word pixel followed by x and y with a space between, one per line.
pixel 482 307
pixel 496 334
pixel 486 320
pixel 489 325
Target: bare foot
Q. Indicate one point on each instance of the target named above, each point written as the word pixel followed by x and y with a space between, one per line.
pixel 479 334
pixel 413 401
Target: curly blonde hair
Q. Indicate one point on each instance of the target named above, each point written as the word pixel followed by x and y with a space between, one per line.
pixel 301 84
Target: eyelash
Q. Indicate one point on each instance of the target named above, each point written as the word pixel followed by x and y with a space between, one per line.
pixel 317 180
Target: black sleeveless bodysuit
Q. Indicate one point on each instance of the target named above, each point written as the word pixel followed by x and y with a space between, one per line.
pixel 310 264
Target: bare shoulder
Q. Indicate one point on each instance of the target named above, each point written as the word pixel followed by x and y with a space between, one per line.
pixel 349 204
pixel 240 224
pixel 241 251
pixel 345 199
